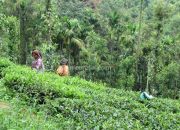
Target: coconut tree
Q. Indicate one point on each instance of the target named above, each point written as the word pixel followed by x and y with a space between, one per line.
pixel 71 40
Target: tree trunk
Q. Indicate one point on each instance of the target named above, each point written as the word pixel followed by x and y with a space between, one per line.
pixel 138 84
pixel 23 43
pixel 48 16
pixel 148 89
pixel 140 22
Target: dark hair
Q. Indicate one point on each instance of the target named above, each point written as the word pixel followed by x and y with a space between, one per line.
pixel 64 61
pixel 37 52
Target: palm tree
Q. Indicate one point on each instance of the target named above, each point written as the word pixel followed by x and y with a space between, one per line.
pixel 72 41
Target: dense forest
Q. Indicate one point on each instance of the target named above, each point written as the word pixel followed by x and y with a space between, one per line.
pixel 127 44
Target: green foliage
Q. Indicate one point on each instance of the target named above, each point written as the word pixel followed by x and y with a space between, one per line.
pixel 4 63
pixel 103 40
pixel 19 116
pixel 126 78
pixel 9 36
pixel 168 80
pixel 73 103
pixel 50 56
pixel 39 86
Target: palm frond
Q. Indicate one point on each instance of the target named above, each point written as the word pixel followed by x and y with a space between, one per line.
pixel 80 44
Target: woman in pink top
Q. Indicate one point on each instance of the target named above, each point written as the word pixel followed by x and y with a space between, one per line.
pixel 37 64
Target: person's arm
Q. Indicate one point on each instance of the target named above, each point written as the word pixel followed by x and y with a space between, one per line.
pixel 66 70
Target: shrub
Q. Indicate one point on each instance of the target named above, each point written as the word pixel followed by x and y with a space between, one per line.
pixel 168 80
pixel 4 63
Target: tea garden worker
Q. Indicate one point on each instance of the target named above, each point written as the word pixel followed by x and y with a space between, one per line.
pixel 145 95
pixel 63 69
pixel 37 64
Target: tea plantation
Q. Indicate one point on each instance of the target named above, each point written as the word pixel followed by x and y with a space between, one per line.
pixel 37 101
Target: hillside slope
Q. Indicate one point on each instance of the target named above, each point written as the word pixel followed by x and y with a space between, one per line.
pixel 74 103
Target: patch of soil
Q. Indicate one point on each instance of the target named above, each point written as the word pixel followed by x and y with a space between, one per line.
pixel 4 105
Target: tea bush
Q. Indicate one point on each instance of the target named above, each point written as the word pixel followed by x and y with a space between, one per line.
pixel 4 63
pixel 73 103
pixel 24 118
pixel 44 86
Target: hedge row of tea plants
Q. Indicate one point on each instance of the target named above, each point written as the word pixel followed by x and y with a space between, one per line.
pixel 16 115
pixel 43 86
pixel 19 117
pixel 78 104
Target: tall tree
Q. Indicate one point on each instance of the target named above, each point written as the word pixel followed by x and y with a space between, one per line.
pixel 141 61
pixel 48 20
pixel 23 38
